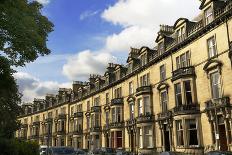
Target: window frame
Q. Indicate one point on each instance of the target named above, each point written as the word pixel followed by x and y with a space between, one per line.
pixel 208 17
pixel 214 47
pixel 162 72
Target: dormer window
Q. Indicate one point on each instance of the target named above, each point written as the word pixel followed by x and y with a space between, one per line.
pixel 143 59
pixel 117 75
pixel 130 67
pixel 180 32
pixel 161 47
pixel 97 85
pixel 208 15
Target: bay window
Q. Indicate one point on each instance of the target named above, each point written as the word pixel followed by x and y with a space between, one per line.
pixel 116 114
pixel 184 60
pixel 144 106
pixel 192 132
pixel 178 95
pixel 179 133
pixel 145 80
pixel 188 92
pixel 145 137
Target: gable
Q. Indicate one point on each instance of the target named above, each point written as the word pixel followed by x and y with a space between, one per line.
pixel 204 3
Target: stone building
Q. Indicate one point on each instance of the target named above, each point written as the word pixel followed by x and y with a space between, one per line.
pixel 175 96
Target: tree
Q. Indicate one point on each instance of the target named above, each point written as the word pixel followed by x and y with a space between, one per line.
pixel 23 31
pixel 9 97
pixel 23 35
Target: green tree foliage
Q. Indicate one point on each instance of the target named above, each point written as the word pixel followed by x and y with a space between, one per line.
pixel 23 35
pixel 23 31
pixel 9 99
pixel 16 147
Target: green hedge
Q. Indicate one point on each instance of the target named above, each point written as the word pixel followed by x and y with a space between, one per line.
pixel 17 147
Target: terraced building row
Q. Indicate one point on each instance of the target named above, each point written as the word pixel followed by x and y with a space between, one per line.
pixel 176 96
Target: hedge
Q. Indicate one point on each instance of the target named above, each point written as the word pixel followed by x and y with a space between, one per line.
pixel 18 147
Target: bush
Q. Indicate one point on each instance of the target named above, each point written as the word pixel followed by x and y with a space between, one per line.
pixel 17 147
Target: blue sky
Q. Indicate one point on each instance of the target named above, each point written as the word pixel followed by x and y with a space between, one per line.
pixel 88 34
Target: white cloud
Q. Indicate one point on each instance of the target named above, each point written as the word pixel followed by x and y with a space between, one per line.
pixel 44 2
pixel 141 19
pixel 86 62
pixel 32 87
pixel 133 36
pixel 88 14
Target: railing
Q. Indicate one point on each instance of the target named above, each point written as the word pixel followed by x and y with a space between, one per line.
pixel 78 114
pixel 48 120
pixel 164 115
pixel 117 101
pixel 143 89
pixel 196 27
pixel 219 102
pixel 62 116
pixel 221 11
pixel 95 129
pixel 36 123
pixel 96 109
pixel 145 118
pixel 182 72
pixel 77 132
pixel 186 109
pixel 130 122
pixel 114 125
pixel 24 126
pixel 61 132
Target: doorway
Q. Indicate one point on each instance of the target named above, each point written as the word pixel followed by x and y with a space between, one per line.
pixel 166 138
pixel 222 137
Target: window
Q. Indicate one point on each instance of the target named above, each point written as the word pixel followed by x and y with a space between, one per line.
pixel 148 142
pixel 72 111
pixel 178 95
pixel 87 123
pixel 188 93
pixel 107 98
pixel 180 133
pixel 164 101
pixel 143 59
pixel 184 60
pixel 208 15
pixel 140 106
pixel 88 105
pixel 140 137
pixel 107 118
pixel 162 73
pixel 215 85
pixel 212 51
pixel 119 139
pixel 118 92
pixel 180 32
pixel 132 110
pixel 96 101
pixel 117 74
pixel 192 132
pixel 145 80
pixel 116 114
pixel 130 67
pixel 147 105
pixel 97 120
pixel 131 90
pixel 161 47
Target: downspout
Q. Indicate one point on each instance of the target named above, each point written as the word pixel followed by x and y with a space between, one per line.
pixel 229 42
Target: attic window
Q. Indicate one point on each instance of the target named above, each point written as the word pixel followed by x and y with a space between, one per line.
pixel 208 15
pixel 143 59
pixel 161 47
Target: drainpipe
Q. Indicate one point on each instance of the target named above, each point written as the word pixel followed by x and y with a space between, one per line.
pixel 229 42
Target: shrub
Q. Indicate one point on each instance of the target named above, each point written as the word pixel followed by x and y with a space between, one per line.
pixel 17 147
